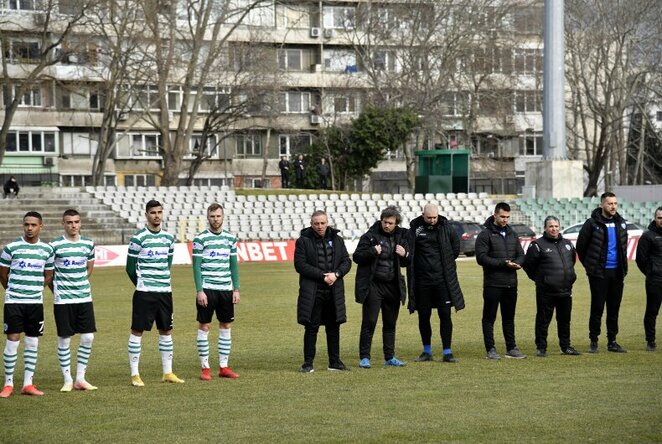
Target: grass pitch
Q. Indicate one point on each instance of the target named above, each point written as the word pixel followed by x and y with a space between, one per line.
pixel 606 397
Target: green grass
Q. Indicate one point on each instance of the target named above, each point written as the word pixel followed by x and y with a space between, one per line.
pixel 602 398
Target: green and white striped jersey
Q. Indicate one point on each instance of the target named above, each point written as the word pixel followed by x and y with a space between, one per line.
pixel 70 282
pixel 215 251
pixel 152 251
pixel 27 263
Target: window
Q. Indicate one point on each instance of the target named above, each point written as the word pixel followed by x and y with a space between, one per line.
pixel 215 99
pixel 344 104
pixel 456 103
pixel 145 145
pixel 529 20
pixel 343 60
pixel 31 141
pixel 339 17
pixel 31 97
pixel 207 149
pixel 96 100
pixel 658 116
pixel 174 98
pixel 289 144
pixel 531 144
pixel 146 97
pixel 527 101
pixel 289 59
pixel 249 145
pixel 254 182
pixel 22 5
pixel 260 13
pixel 23 52
pixel 527 60
pixel 384 60
pixel 295 102
pixel 139 180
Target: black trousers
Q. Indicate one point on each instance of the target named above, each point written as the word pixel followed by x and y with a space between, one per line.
pixel 324 312
pixel 653 301
pixel 429 298
pixel 545 304
pixel 492 298
pixel 284 180
pixel 609 291
pixel 384 296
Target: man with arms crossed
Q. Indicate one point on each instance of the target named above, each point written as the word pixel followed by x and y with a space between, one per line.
pixel 602 248
pixel 500 254
pixel 216 276
pixel 26 267
pixel 148 265
pixel 649 261
pixel 74 313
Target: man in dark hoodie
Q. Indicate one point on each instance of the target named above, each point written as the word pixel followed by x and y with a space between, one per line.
pixel 321 259
pixel 550 263
pixel 379 283
pixel 602 249
pixel 649 261
pixel 432 277
pixel 500 254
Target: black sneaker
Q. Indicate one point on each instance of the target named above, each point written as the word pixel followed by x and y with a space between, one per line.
pixel 651 346
pixel 570 351
pixel 449 358
pixel 541 353
pixel 424 357
pixel 306 368
pixel 337 367
pixel 613 346
pixel 515 353
pixel 593 348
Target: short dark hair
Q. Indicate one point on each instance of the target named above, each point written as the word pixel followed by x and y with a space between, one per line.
pixel 501 206
pixel 215 206
pixel 33 214
pixel 70 212
pixel 548 218
pixel 318 213
pixel 606 194
pixel 391 211
pixel 658 209
pixel 151 204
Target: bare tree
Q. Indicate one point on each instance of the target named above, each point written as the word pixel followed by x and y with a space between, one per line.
pixel 27 63
pixel 609 47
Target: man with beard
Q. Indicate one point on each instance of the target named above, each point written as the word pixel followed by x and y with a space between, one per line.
pixel 379 283
pixel 432 278
pixel 602 249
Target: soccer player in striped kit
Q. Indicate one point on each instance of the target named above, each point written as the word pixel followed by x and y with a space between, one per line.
pixel 26 266
pixel 72 303
pixel 216 276
pixel 148 265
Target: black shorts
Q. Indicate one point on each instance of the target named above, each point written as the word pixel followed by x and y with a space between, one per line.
pixel 149 307
pixel 74 318
pixel 24 318
pixel 219 302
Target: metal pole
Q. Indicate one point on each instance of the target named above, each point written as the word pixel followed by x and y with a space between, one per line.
pixel 554 83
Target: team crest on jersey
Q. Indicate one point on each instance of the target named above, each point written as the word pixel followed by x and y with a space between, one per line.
pixel 548 250
pixel 419 230
pixel 567 247
pixel 330 243
pixel 623 226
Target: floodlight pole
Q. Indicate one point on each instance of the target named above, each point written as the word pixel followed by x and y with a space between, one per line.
pixel 554 147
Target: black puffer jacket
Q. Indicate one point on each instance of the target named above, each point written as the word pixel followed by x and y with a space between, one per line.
pixel 366 256
pixel 492 251
pixel 550 263
pixel 311 274
pixel 592 243
pixel 449 243
pixel 649 253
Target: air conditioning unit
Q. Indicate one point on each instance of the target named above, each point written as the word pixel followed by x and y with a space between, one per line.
pixel 48 162
pixel 316 67
pixel 329 33
pixel 314 32
pixel 122 116
pixel 314 119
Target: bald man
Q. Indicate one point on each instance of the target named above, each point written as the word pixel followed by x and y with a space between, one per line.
pixel 432 278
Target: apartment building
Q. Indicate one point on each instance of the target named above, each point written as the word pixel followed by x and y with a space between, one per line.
pixel 282 71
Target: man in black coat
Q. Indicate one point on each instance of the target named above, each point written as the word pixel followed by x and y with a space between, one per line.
pixel 284 167
pixel 602 248
pixel 380 254
pixel 550 263
pixel 321 259
pixel 299 171
pixel 432 277
pixel 500 254
pixel 649 261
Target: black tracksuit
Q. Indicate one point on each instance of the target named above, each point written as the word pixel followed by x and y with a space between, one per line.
pixel 550 263
pixel 494 246
pixel 380 285
pixel 649 261
pixel 606 284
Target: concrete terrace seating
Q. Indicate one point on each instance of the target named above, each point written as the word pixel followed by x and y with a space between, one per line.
pixel 281 217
